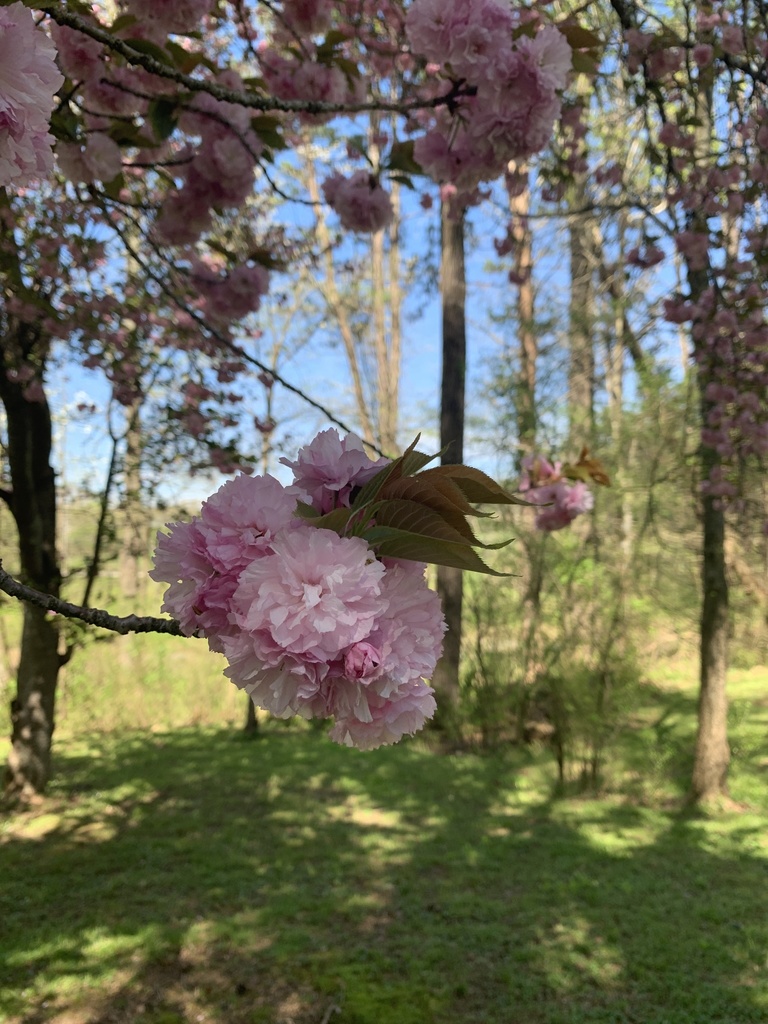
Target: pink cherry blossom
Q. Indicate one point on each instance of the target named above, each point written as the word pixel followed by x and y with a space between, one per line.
pixel 470 36
pixel 171 15
pixel 404 713
pixel 80 57
pixel 241 520
pixel 307 17
pixel 568 502
pixel 313 597
pixel 202 559
pixel 238 294
pixel 310 622
pixel 542 483
pixel 409 635
pixel 516 83
pixel 101 159
pixel 360 201
pixel 330 467
pixel 361 660
pixel 29 79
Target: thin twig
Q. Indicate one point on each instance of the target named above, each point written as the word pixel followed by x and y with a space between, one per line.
pixel 330 1011
pixel 227 343
pixel 93 616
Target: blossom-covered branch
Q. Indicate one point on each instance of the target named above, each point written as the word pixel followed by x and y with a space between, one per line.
pixel 253 101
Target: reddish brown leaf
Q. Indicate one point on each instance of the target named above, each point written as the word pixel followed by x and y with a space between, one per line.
pixel 388 541
pixel 423 492
pixel 476 486
pixel 587 469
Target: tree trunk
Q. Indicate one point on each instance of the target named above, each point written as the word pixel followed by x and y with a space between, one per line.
pixel 251 727
pixel 329 290
pixel 395 316
pixel 712 755
pixel 528 345
pixel 33 504
pixel 581 367
pixel 449 579
pixel 133 547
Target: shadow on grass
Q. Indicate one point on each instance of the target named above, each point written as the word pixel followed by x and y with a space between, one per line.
pixel 192 877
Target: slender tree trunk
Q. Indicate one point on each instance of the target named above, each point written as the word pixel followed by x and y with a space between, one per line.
pixel 251 727
pixel 528 348
pixel 395 314
pixel 386 427
pixel 612 287
pixel 330 292
pixel 449 579
pixel 581 367
pixel 134 540
pixel 525 411
pixel 32 502
pixel 712 754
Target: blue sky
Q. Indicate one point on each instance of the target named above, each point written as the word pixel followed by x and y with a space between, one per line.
pixel 320 368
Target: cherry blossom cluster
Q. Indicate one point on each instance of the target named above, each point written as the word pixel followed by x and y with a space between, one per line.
pixel 218 172
pixel 29 80
pixel 515 81
pixel 360 201
pixel 311 623
pixel 542 483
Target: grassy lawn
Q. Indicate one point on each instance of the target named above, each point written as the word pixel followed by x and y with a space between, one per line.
pixel 191 876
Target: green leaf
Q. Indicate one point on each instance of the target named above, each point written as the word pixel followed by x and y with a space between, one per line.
pixel 334 37
pixel 121 22
pixel 150 49
pixel 306 511
pixel 416 518
pixel 185 61
pixel 335 520
pixel 401 158
pixel 451 493
pixel 393 543
pixel 114 188
pixel 580 38
pixel 326 49
pixel 162 116
pixel 350 69
pixel 402 179
pixel 583 62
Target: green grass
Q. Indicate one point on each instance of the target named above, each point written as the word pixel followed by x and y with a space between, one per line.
pixel 192 876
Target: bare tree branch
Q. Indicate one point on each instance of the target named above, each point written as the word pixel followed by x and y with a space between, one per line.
pixel 93 616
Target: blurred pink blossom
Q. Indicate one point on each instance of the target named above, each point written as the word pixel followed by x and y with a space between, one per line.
pixel 29 79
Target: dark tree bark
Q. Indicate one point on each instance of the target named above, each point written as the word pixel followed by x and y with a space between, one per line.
pixel 449 579
pixel 32 502
pixel 712 756
pixel 251 727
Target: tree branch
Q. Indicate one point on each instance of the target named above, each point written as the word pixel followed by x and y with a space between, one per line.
pixel 93 616
pixel 227 343
pixel 59 13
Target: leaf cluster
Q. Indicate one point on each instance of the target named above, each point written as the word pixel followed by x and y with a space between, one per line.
pixel 406 511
